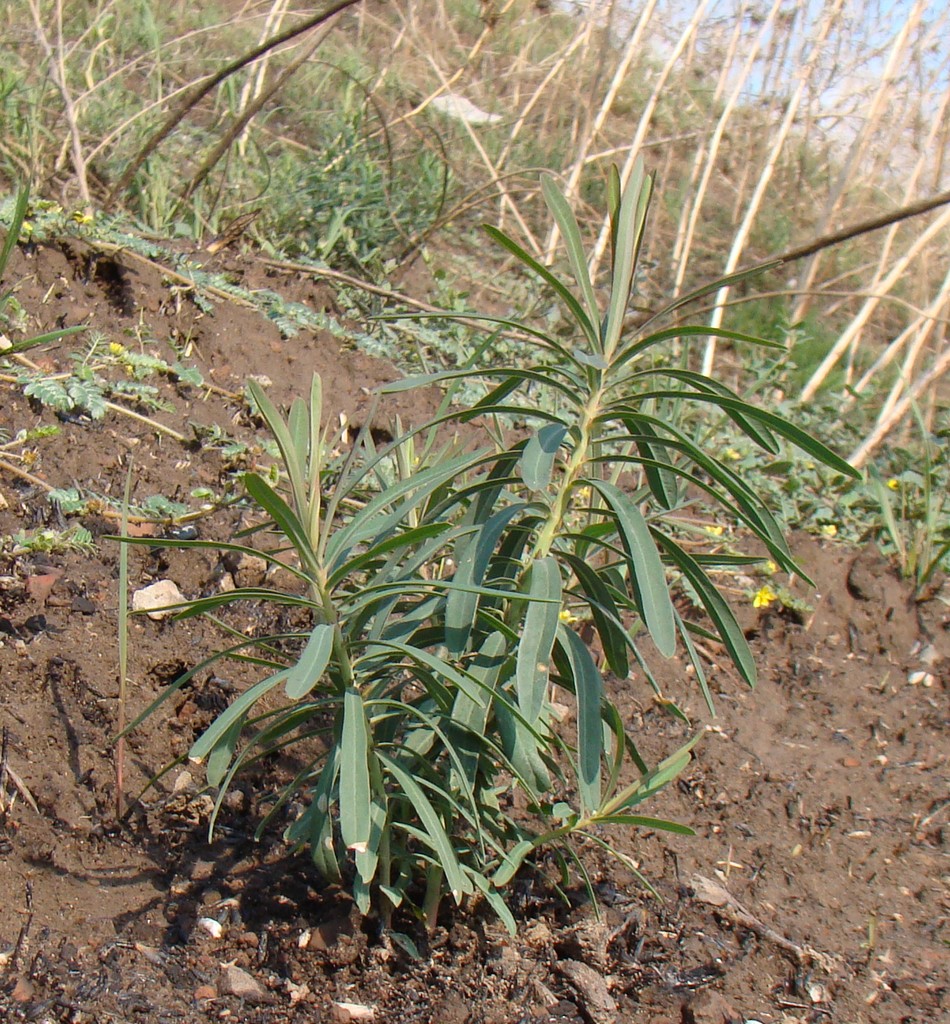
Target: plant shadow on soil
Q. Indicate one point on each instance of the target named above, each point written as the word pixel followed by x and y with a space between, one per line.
pixel 820 800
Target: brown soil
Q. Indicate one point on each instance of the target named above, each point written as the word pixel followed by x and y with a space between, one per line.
pixel 816 890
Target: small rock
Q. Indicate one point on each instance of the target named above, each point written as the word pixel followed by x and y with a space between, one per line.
pixel 251 570
pixel 83 605
pixel 709 1007
pixel 38 588
pixel 155 598
pixel 236 801
pixel 206 992
pixel 22 991
pixel 237 982
pixel 586 941
pixel 596 1001
pixel 297 993
pixel 541 995
pixel 214 928
pixel 507 963
pixel 343 1013
pixel 327 934
pixel 538 936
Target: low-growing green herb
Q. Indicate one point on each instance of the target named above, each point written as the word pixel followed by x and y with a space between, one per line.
pixel 440 673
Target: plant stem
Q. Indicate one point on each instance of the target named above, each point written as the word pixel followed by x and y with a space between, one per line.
pixel 572 471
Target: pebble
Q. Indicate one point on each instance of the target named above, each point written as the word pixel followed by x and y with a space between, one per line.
pixel 237 982
pixel 214 928
pixel 343 1013
pixel 596 1001
pixel 154 598
pixel 22 991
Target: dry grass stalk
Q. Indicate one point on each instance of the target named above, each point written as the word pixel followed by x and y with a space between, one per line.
pixel 777 143
pixel 630 52
pixel 937 226
pixel 850 165
pixel 712 154
pixel 920 330
pixel 886 423
pixel 688 34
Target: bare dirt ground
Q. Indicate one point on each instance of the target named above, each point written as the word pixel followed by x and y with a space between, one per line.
pixel 816 889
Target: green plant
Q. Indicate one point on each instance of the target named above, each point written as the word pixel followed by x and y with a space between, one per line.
pixel 915 509
pixel 437 588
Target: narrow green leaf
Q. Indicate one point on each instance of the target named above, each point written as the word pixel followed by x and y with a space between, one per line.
pixel 653 781
pixel 294 459
pixel 522 747
pixel 631 221
pixel 235 712
pixel 649 576
pixel 439 667
pixel 286 519
pixel 43 339
pixel 697 662
pixel 576 309
pixel 354 773
pixel 315 825
pixel 779 424
pixel 468 716
pixel 614 196
pixel 537 461
pixel 16 223
pixel 641 822
pixel 400 938
pixel 203 605
pixel 511 864
pixel 222 753
pixel 384 512
pixel 589 690
pixel 707 289
pixel 644 342
pixel 496 902
pixel 473 556
pixel 306 673
pixel 716 607
pixel 604 612
pixel 459 883
pixel 567 224
pixel 541 619
pixel 662 482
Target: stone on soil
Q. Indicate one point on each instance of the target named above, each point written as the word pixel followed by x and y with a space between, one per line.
pixel 153 599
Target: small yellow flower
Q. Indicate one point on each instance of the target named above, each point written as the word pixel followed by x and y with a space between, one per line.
pixel 716 531
pixel 731 453
pixel 566 616
pixel 829 529
pixel 764 597
pixel 116 349
pixel 81 218
pixel 894 483
pixel 771 568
